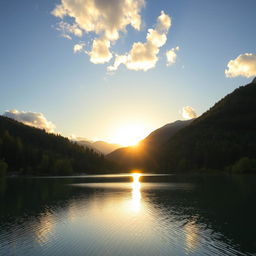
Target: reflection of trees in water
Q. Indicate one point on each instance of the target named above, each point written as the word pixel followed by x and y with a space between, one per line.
pixel 223 206
pixel 33 196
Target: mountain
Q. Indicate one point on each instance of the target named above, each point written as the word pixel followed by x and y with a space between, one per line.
pixel 98 146
pixel 87 144
pixel 28 150
pixel 163 134
pixel 105 147
pixel 140 155
pixel 223 138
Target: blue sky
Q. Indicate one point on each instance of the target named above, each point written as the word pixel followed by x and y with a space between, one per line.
pixel 39 72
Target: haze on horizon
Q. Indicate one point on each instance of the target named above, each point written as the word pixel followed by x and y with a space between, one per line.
pixel 117 70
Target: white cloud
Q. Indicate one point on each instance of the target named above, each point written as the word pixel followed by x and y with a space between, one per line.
pixel 34 119
pixel 78 47
pixel 143 56
pixel 105 18
pixel 171 56
pixel 188 112
pixel 243 65
pixel 100 52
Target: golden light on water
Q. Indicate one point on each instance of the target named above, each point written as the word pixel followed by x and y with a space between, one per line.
pixel 44 228
pixel 191 235
pixel 136 194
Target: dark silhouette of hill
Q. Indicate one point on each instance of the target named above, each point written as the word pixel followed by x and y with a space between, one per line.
pixel 223 138
pixel 140 156
pixel 163 134
pixel 28 150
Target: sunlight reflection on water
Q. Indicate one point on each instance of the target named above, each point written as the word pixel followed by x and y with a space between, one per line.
pixel 115 218
pixel 136 194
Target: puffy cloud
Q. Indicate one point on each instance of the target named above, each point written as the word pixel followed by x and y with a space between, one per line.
pixel 188 112
pixel 78 47
pixel 243 65
pixel 100 51
pixel 164 22
pixel 171 56
pixel 105 18
pixel 143 56
pixel 34 119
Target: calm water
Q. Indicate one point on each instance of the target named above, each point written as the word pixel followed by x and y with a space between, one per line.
pixel 165 215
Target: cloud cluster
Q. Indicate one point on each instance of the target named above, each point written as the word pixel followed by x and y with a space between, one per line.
pixel 78 47
pixel 171 56
pixel 34 119
pixel 104 18
pixel 188 112
pixel 243 65
pixel 143 56
pixel 100 52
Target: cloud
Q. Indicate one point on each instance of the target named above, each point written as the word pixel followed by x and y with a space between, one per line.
pixel 34 119
pixel 105 18
pixel 171 56
pixel 243 65
pixel 188 112
pixel 78 47
pixel 100 52
pixel 143 56
pixel 67 28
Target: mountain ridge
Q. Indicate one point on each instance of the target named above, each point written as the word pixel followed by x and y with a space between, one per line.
pixel 223 138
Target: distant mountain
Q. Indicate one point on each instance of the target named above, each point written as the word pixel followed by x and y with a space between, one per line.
pixel 98 146
pixel 28 150
pixel 138 156
pixel 105 147
pixel 87 144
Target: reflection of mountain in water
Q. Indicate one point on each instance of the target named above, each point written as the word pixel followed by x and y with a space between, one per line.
pixel 191 214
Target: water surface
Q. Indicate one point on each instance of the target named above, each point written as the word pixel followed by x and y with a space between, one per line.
pixel 123 215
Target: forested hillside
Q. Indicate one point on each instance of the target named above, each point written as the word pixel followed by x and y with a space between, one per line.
pixel 28 150
pixel 144 154
pixel 222 138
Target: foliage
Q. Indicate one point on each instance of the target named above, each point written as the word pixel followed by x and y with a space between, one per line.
pixel 217 139
pixel 28 150
pixel 244 165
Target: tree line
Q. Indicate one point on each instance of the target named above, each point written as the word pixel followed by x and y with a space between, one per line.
pixel 27 150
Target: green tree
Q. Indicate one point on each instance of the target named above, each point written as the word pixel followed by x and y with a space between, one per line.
pixel 63 167
pixel 244 165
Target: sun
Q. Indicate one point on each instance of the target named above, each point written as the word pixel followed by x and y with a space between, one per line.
pixel 131 134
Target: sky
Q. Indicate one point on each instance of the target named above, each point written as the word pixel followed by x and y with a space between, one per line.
pixel 116 70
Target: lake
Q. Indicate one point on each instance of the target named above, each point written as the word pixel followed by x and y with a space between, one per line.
pixel 128 215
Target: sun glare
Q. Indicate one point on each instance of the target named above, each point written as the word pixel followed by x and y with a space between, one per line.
pixel 130 135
